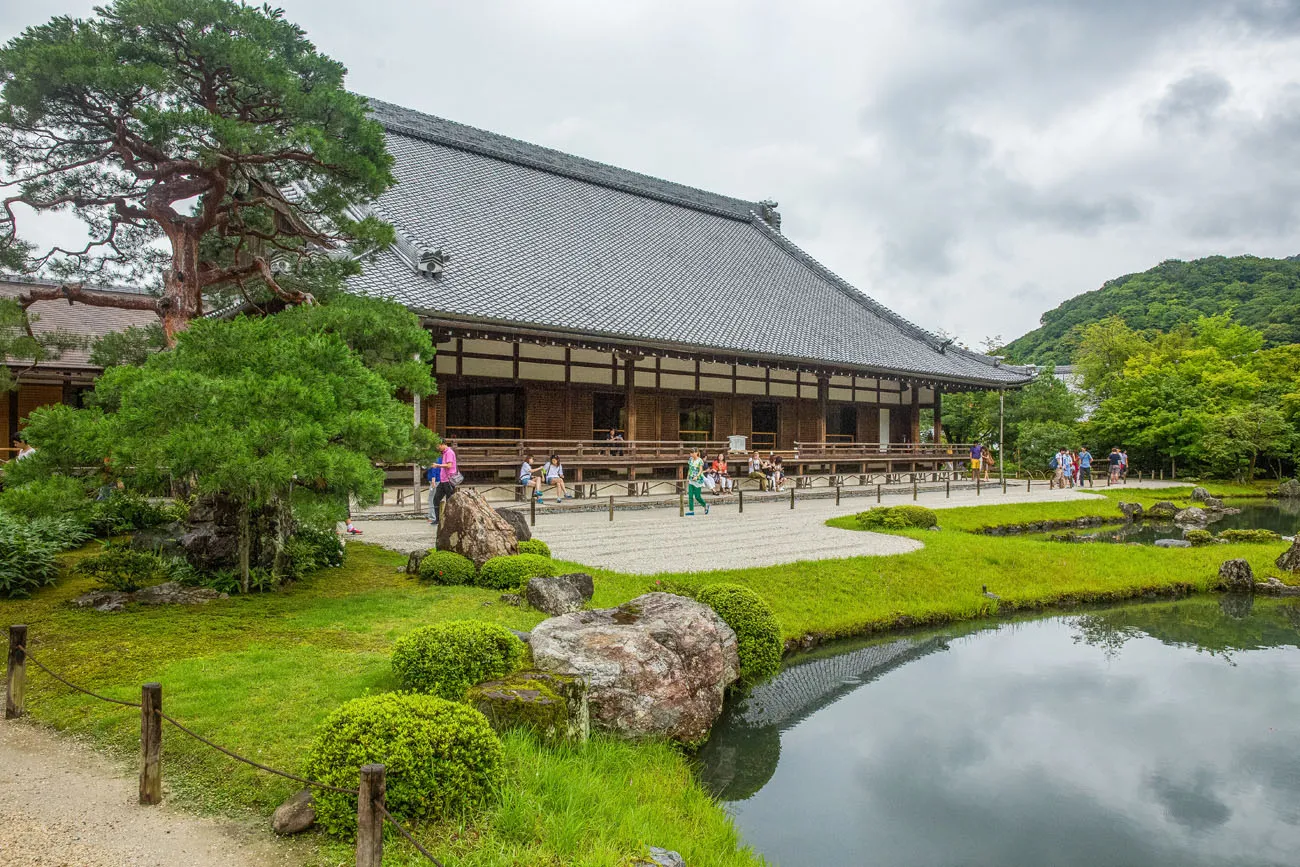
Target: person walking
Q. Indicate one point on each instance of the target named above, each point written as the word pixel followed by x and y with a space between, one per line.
pixel 986 460
pixel 1057 464
pixel 976 455
pixel 433 475
pixel 1123 465
pixel 695 483
pixel 1085 466
pixel 1114 460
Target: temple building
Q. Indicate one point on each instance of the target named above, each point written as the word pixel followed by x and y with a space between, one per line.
pixel 569 298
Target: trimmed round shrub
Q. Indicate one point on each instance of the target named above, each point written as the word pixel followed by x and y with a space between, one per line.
pixel 514 570
pixel 447 567
pixel 1199 537
pixel 26 559
pixel 440 758
pixel 898 518
pixel 758 635
pixel 535 546
pixel 446 659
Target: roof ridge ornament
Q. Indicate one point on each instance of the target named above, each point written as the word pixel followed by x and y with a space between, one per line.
pixel 768 213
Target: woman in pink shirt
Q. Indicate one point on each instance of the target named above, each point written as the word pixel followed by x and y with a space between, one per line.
pixel 451 477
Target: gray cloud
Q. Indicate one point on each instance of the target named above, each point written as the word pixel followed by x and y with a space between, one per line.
pixel 967 162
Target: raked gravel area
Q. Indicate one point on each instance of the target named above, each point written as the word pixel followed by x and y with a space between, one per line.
pixel 648 541
pixel 64 805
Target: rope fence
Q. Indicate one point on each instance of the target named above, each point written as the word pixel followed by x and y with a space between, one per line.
pixel 372 811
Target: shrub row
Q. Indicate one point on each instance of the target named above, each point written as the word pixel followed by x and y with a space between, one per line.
pixel 500 573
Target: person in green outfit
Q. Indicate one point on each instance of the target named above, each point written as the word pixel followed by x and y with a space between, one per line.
pixel 695 482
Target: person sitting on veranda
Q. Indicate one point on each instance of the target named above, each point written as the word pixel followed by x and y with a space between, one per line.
pixel 720 474
pixel 555 476
pixel 530 477
pixel 778 473
pixel 755 471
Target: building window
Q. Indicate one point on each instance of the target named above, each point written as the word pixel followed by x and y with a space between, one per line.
pixel 842 424
pixel 607 411
pixel 695 421
pixel 485 413
pixel 763 424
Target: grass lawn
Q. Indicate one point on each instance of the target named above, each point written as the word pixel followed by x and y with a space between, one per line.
pixel 259 673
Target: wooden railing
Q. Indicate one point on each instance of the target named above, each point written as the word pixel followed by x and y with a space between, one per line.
pixel 483 452
pixel 842 451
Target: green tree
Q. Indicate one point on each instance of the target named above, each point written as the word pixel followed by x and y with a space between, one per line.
pixel 204 143
pixel 254 409
pixel 1235 442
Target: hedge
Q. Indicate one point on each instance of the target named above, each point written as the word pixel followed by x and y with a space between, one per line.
pixel 897 518
pixel 447 567
pixel 446 659
pixel 513 570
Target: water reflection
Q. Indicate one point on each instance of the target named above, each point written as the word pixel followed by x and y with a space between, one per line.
pixel 1117 737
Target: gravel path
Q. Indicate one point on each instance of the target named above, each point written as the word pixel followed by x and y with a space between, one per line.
pixel 647 541
pixel 63 805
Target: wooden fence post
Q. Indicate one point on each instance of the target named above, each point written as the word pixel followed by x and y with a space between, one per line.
pixel 914 487
pixel 681 505
pixel 532 510
pixel 16 672
pixel 611 507
pixel 837 495
pixel 370 822
pixel 792 498
pixel 977 484
pixel 878 487
pixel 947 488
pixel 1029 485
pixel 741 493
pixel 151 743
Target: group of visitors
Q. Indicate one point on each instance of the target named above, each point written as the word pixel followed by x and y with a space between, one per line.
pixel 769 472
pixel 1073 468
pixel 534 478
pixel 981 461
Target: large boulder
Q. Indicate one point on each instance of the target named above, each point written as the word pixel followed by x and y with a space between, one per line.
pixel 1274 587
pixel 1173 543
pixel 552 705
pixel 295 815
pixel 1199 494
pixel 657 666
pixel 414 559
pixel 1162 511
pixel 1193 517
pixel 172 593
pixel 1214 504
pixel 1132 511
pixel 211 539
pixel 1289 560
pixel 1236 576
pixel 563 594
pixel 518 523
pixel 1289 490
pixel 165 540
pixel 473 529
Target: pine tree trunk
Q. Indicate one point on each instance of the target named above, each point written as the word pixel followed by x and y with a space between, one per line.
pixel 182 297
pixel 244 546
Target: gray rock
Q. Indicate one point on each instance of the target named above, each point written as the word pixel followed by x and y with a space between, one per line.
pixel 414 559
pixel 1214 504
pixel 1132 511
pixel 518 523
pixel 211 539
pixel 563 594
pixel 161 540
pixel 1194 516
pixel 657 666
pixel 1274 587
pixel 661 858
pixel 103 600
pixel 1289 560
pixel 1173 543
pixel 1199 494
pixel 525 637
pixel 172 593
pixel 295 815
pixel 512 599
pixel 1289 490
pixel 552 705
pixel 1236 576
pixel 1162 511
pixel 473 529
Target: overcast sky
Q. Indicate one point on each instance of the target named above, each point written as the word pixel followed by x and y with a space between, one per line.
pixel 970 163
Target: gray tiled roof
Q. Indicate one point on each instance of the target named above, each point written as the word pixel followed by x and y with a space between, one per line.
pixel 80 319
pixel 541 239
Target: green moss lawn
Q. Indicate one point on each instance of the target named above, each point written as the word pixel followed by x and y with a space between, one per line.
pixel 260 673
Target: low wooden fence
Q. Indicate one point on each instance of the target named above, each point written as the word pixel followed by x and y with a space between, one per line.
pixel 372 811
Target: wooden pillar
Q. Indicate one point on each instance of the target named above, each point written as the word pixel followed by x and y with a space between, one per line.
pixel 370 822
pixel 629 397
pixel 938 416
pixel 916 415
pixel 823 405
pixel 151 743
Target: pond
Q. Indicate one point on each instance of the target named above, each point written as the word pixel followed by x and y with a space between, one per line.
pixel 1161 734
pixel 1280 516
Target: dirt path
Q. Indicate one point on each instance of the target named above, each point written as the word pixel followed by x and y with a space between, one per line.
pixel 63 805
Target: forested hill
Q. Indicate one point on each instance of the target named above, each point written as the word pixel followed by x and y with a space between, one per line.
pixel 1261 293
